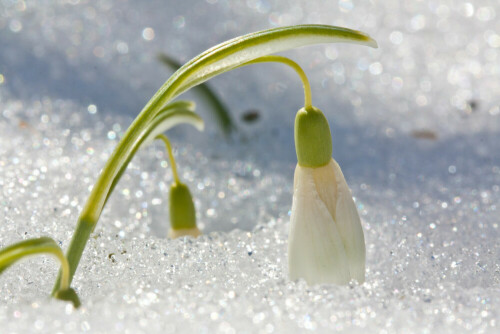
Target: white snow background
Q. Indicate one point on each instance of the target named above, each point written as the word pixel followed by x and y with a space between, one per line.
pixel 415 127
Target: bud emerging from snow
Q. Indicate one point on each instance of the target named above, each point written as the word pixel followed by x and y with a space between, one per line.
pixel 181 205
pixel 182 212
pixel 326 242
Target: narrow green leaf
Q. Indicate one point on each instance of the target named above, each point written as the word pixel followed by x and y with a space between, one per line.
pixel 44 245
pixel 13 253
pixel 169 61
pixel 237 51
pixel 174 113
pixel 221 112
pixel 167 119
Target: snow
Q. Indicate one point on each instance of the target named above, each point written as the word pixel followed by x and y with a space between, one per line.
pixel 416 130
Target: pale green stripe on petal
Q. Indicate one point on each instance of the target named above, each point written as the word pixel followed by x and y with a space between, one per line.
pixel 349 226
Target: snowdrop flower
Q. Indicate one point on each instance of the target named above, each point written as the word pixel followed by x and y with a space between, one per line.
pixel 181 205
pixel 326 242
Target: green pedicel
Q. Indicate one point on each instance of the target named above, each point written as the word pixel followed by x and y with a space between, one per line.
pixel 181 206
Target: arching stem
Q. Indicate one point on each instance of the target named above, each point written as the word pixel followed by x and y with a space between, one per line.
pixel 43 245
pixel 170 156
pixel 65 271
pixel 295 67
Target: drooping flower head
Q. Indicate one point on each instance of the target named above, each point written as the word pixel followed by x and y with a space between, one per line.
pixel 326 242
pixel 182 212
pixel 181 205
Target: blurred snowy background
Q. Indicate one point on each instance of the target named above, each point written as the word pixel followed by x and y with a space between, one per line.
pixel 415 125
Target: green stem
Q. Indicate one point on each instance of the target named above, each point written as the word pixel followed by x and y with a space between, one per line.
pixel 74 253
pixel 294 66
pixel 65 281
pixel 170 156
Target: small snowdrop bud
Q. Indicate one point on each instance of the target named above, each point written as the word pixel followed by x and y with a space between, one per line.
pixel 181 205
pixel 182 212
pixel 326 242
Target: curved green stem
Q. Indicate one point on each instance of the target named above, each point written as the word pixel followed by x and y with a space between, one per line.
pixel 170 156
pixel 44 245
pixel 293 65
pixel 221 111
pixel 147 136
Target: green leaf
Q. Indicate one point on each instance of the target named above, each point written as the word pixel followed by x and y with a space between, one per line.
pixel 230 54
pixel 44 245
pixel 167 119
pixel 221 112
pixel 13 253
pixel 171 115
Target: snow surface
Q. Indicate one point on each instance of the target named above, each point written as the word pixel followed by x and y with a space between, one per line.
pixel 416 129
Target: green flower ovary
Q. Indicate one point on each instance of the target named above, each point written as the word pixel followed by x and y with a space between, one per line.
pixel 313 140
pixel 182 212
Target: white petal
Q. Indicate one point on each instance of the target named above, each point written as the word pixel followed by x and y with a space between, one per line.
pixel 337 198
pixel 325 181
pixel 349 225
pixel 315 249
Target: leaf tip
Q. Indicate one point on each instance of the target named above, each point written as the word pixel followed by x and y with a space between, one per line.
pixel 372 43
pixel 200 126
